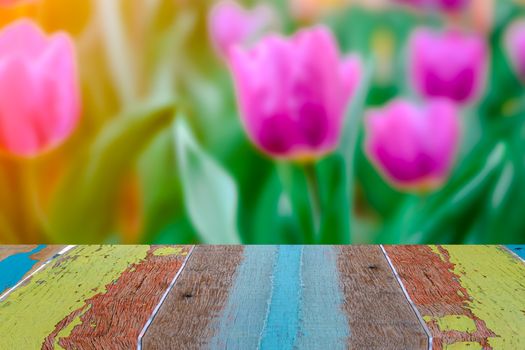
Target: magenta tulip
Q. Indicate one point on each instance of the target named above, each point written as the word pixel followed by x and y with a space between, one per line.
pixel 515 43
pixel 448 64
pixel 39 92
pixel 412 146
pixel 293 93
pixel 230 24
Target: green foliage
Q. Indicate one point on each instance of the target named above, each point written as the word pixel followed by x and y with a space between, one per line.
pixel 202 181
pixel 84 207
pixel 210 194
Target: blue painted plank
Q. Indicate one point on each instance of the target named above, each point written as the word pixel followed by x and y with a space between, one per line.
pixel 282 323
pixel 15 267
pixel 242 320
pixel 322 321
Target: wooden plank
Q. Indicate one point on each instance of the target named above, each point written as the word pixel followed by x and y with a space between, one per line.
pixel 90 297
pixel 305 305
pixel 322 321
pixel 195 302
pixel 470 296
pixel 286 297
pixel 243 318
pixel 379 315
pixel 18 262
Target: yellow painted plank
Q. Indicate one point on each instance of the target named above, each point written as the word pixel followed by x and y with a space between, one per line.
pixel 470 297
pixel 495 282
pixel 32 311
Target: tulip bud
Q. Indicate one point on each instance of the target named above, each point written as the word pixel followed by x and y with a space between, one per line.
pixel 515 44
pixel 293 92
pixel 39 92
pixel 412 146
pixel 449 64
pixel 230 24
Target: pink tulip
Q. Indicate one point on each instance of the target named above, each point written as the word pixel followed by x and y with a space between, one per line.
pixel 230 24
pixel 413 147
pixel 449 64
pixel 515 42
pixel 39 92
pixel 293 92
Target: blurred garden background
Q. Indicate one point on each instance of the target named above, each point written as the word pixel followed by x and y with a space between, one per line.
pixel 262 122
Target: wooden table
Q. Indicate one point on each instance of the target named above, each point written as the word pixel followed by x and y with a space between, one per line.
pixel 267 297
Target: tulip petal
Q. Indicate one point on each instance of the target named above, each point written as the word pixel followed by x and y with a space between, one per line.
pixel 515 45
pixel 450 64
pixel 412 146
pixel 292 92
pixel 22 38
pixel 351 74
pixel 39 92
pixel 17 109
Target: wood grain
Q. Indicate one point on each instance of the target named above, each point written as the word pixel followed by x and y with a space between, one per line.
pixel 470 296
pixel 186 318
pixel 322 321
pixel 244 316
pixel 286 297
pixel 92 297
pixel 379 315
pixel 18 262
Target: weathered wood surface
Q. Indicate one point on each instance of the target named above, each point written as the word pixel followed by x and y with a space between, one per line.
pixel 379 315
pixel 19 261
pixel 307 297
pixel 471 297
pixel 92 297
pixel 266 297
pixel 519 250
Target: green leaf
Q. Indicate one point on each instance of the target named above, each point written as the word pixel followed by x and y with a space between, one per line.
pixel 162 197
pixel 468 195
pixel 209 191
pixel 84 207
pixel 349 144
pixel 441 217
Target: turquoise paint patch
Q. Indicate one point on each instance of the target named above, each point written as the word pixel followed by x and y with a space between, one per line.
pixel 323 325
pixel 242 320
pixel 518 249
pixel 15 267
pixel 282 322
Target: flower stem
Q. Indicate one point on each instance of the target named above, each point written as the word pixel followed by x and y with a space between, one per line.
pixel 315 198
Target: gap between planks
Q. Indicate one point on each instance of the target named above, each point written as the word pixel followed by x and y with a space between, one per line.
pixel 12 289
pixel 513 253
pixel 407 296
pixel 164 296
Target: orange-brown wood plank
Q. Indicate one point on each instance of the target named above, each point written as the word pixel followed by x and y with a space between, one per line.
pixel 471 297
pixel 379 315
